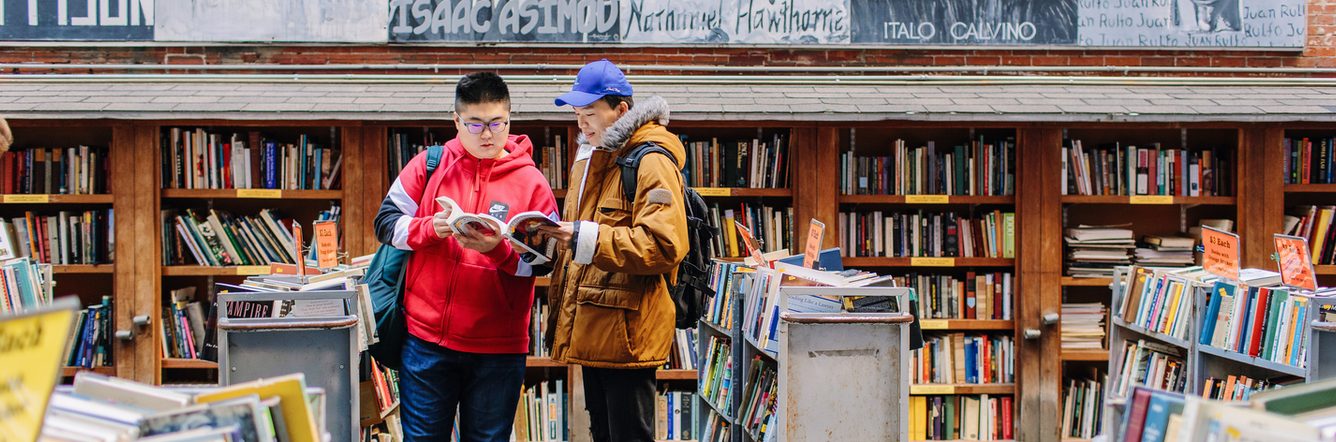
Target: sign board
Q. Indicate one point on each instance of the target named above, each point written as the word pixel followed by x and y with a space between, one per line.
pixel 816 232
pixel 1221 256
pixel 1295 262
pixel 32 349
pixel 752 246
pixel 326 244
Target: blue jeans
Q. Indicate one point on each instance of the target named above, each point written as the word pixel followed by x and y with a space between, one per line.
pixel 435 380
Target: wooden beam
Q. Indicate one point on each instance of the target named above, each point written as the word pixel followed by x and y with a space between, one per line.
pixel 1039 290
pixel 815 168
pixel 145 248
pixel 1261 191
pixel 372 153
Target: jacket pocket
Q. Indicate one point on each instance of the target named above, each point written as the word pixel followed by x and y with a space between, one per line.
pixel 602 327
pixel 611 212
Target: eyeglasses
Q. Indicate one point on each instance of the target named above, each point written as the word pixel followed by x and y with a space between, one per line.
pixel 495 126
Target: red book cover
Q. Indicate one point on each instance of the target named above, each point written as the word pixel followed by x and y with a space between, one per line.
pixel 1258 319
pixel 1007 423
pixel 1136 421
pixel 1153 187
pixel 987 358
pixel 969 296
pixel 227 166
pixel 1308 161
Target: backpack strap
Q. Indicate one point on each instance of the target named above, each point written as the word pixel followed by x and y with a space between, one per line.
pixel 630 164
pixel 433 158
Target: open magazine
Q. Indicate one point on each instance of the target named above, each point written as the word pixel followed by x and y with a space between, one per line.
pixel 522 230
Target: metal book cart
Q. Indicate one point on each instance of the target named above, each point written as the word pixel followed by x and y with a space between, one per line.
pixel 322 346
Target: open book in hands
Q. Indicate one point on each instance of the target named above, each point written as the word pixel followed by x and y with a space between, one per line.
pixel 522 230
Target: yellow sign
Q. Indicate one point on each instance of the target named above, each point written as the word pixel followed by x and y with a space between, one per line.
pixel 713 191
pixel 1151 199
pixel 252 270
pixel 259 193
pixel 932 324
pixel 927 199
pixel 28 199
pixel 326 244
pixel 32 347
pixel 932 262
pixel 932 389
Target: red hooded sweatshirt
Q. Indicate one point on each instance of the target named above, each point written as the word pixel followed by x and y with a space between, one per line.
pixel 456 297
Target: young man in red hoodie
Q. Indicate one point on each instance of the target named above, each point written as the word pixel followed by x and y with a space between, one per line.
pixel 467 295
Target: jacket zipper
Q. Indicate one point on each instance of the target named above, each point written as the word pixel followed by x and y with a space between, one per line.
pixel 454 276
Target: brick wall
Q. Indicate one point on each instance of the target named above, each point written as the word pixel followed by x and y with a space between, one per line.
pixel 1320 51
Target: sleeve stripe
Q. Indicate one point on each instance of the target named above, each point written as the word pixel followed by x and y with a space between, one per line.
pixel 401 199
pixel 400 240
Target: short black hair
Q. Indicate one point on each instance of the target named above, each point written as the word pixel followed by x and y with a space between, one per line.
pixel 481 87
pixel 614 100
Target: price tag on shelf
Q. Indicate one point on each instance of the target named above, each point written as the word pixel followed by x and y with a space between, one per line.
pixel 714 191
pixel 932 389
pixel 28 199
pixel 1151 199
pixel 927 199
pixel 932 324
pixel 259 193
pixel 252 270
pixel 932 262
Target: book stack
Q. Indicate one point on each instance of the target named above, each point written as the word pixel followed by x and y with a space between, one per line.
pixel 64 239
pixel 188 327
pixel 1160 301
pixel 683 354
pixel 1233 388
pixel 1115 169
pixel 981 417
pixel 342 277
pixel 1083 326
pixel 543 412
pixel 1263 322
pixel 198 159
pixel 981 168
pixel 958 358
pixel 24 285
pixel 1093 251
pixel 1309 161
pixel 1166 251
pixel 1150 364
pixel 552 160
pixel 892 234
pixel 219 238
pixel 771 226
pixel 674 412
pixel 715 384
pixel 70 171
pixel 90 341
pixel 976 296
pixel 100 408
pixel 757 163
pixel 759 400
pixel 1291 414
pixel 1083 408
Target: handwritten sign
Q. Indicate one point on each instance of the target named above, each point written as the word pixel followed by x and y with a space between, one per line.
pixel 28 199
pixel 33 348
pixel 1221 256
pixel 326 244
pixel 259 193
pixel 932 262
pixel 1296 265
pixel 1177 23
pixel 1150 199
pixel 299 253
pixel 752 246
pixel 816 232
pixel 927 199
pixel 713 191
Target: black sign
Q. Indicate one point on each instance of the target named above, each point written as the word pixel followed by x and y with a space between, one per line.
pixel 965 22
pixel 76 19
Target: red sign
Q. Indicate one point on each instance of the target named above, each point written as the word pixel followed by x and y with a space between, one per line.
pixel 1221 255
pixel 752 246
pixel 1296 266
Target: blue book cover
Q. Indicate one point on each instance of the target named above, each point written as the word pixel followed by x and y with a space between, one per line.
pixel 1212 310
pixel 270 161
pixel 1146 317
pixel 1249 302
pixel 971 373
pixel 1300 330
pixel 1157 416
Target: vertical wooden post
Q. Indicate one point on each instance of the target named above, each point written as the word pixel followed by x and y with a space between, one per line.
pixel 1039 259
pixel 139 231
pixel 373 184
pixel 121 183
pixel 355 217
pixel 815 166
pixel 1260 193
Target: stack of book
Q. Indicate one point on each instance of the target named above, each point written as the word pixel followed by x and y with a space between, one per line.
pixel 716 428
pixel 1083 408
pixel 99 408
pixel 755 163
pixel 70 171
pixel 674 412
pixel 1115 169
pixel 957 358
pixel 90 341
pixel 342 277
pixel 1309 161
pixel 1166 251
pixel 543 412
pixel 757 416
pixel 981 168
pixel 771 226
pixel 198 159
pixel 1083 326
pixel 1259 321
pixel 981 417
pixel 1150 364
pixel 219 238
pixel 891 234
pixel 64 239
pixel 1093 251
pixel 1291 414
pixel 976 296
pixel 719 309
pixel 24 285
pixel 1233 387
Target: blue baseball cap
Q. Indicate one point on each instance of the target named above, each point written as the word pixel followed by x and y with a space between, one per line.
pixel 594 81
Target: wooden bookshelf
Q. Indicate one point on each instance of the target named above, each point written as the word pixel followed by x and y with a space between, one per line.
pixel 675 375
pixel 927 199
pixel 69 372
pixel 84 269
pixel 1325 270
pixel 542 362
pixel 966 325
pixel 1068 281
pixel 927 262
pixel 1310 188
pixel 952 389
pixel 191 270
pixel 56 199
pixel 191 364
pixel 740 192
pixel 559 193
pixel 1150 200
pixel 258 194
pixel 375 420
pixel 1085 355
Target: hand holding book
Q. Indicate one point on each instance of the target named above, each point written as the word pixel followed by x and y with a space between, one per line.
pixel 477 230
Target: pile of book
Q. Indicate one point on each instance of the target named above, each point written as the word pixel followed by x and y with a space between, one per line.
pixel 543 413
pixel 929 234
pixel 198 159
pixel 771 226
pixel 1083 326
pixel 64 238
pixel 976 296
pixel 379 390
pixel 674 414
pixel 719 309
pixel 1301 412
pixel 981 168
pixel 24 285
pixel 99 408
pixel 1115 169
pixel 218 238
pixel 90 340
pixel 1082 408
pixel 70 171
pixel 755 163
pixel 759 400
pixel 188 326
pixel 958 358
pixel 285 279
pixel 1260 321
pixel 1093 251
pixel 537 324
pixel 714 384
pixel 1166 251
pixel 982 417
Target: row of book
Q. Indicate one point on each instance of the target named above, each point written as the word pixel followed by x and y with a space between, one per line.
pixel 1115 169
pixel 90 340
pixel 755 163
pixel 1309 161
pixel 405 146
pixel 64 238
pixel 100 408
pixel 757 415
pixel 284 279
pixel 24 285
pixel 927 234
pixel 1093 251
pixel 383 383
pixel 770 226
pixel 537 326
pixel 1150 364
pixel 1292 414
pixel 958 358
pixel 1161 301
pixel 716 429
pixel 69 171
pixel 715 384
pixel 962 417
pixel 201 159
pixel 219 238
pixel 1083 326
pixel 1314 223
pixel 1233 387
pixel 720 307
pixel 976 296
pixel 674 412
pixel 543 412
pixel 1083 408
pixel 187 329
pixel 981 168
pixel 553 159
pixel 1265 322
pixel 682 355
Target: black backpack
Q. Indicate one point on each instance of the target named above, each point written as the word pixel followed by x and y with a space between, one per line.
pixel 692 290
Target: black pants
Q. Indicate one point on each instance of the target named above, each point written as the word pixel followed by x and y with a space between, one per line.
pixel 620 404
